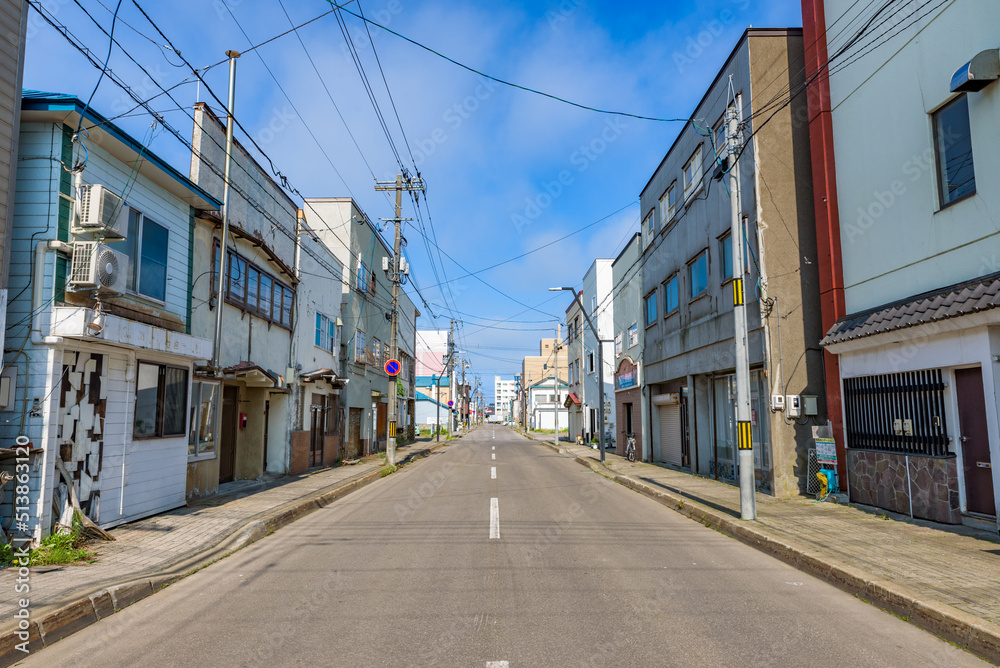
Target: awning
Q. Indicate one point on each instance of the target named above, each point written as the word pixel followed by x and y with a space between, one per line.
pixel 570 400
pixel 329 375
pixel 966 298
pixel 254 375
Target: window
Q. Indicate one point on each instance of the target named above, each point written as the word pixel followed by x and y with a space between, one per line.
pixel 146 248
pixel 618 344
pixel 590 362
pixel 593 305
pixel 362 276
pixel 650 308
pixel 671 294
pixel 698 275
pixel 953 141
pixel 326 332
pixel 692 175
pixel 201 425
pixel 359 347
pixel 377 351
pixel 633 335
pixel 252 289
pixel 667 206
pixel 160 401
pixel 726 257
pixel 647 228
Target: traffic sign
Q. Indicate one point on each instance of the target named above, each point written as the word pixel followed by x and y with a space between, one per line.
pixel 451 403
pixel 392 367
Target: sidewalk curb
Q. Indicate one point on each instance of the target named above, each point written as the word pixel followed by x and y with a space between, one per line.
pixel 976 635
pixel 57 621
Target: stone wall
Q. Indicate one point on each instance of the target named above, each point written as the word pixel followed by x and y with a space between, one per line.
pixel 880 479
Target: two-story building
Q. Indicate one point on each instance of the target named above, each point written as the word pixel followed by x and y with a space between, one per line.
pixel 103 356
pixel 688 273
pixel 912 271
pixel 255 399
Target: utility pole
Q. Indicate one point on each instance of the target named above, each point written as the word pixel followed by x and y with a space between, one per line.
pixel 437 423
pixel 744 439
pixel 220 292
pixel 394 276
pixel 451 372
pixel 556 365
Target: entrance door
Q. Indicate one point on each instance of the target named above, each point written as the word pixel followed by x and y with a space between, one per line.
pixel 227 444
pixel 975 441
pixel 354 433
pixel 317 429
pixel 382 424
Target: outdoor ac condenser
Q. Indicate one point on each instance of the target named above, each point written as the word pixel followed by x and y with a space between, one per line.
pixel 97 266
pixel 102 212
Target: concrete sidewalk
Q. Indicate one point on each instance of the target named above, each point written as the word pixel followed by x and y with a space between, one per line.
pixel 943 578
pixel 148 554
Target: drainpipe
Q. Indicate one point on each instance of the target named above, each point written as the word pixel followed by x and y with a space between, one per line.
pixel 38 289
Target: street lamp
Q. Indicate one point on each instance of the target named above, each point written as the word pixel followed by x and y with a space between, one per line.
pixel 600 365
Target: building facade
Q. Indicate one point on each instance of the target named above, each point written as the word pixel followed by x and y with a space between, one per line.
pixel 913 272
pixel 366 302
pixel 103 379
pixel 631 408
pixel 504 393
pixel 687 277
pixel 599 304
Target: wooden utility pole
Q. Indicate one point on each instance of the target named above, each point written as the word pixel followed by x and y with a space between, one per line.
pixel 394 275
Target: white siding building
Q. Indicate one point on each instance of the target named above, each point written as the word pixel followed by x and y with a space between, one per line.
pixel 103 374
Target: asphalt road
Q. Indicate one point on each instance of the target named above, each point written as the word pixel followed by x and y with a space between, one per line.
pixel 583 572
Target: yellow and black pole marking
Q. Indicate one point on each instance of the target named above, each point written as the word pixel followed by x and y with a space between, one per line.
pixel 744 439
pixel 392 429
pixel 737 292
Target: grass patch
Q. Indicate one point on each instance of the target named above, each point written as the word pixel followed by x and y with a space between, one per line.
pixel 387 471
pixel 54 550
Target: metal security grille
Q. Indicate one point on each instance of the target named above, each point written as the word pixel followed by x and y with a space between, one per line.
pixel 897 412
pixel 812 482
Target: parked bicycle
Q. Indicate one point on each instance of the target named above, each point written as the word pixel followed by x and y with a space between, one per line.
pixel 630 449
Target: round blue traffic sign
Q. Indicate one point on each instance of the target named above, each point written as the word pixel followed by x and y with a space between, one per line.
pixel 392 367
pixel 451 404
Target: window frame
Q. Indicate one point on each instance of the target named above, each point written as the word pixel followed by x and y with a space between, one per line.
pixel 275 312
pixel 650 298
pixel 938 157
pixel 590 362
pixel 647 228
pixel 726 263
pixel 690 266
pixel 195 402
pixel 633 333
pixel 675 279
pixel 359 359
pixel 134 252
pixel 161 390
pixel 326 333
pixel 619 339
pixel 693 186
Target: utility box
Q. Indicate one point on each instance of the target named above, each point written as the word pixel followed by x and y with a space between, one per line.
pixel 793 405
pixel 810 405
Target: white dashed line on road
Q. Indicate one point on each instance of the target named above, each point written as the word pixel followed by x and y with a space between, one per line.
pixel 493 456
pixel 497 664
pixel 493 473
pixel 494 519
pixel 493 448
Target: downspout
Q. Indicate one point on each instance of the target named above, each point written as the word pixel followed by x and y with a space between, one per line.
pixel 38 290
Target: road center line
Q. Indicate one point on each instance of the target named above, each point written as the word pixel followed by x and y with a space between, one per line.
pixel 494 519
pixel 493 473
pixel 493 448
pixel 497 664
pixel 493 456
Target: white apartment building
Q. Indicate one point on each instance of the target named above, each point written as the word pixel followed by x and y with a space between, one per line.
pixel 504 394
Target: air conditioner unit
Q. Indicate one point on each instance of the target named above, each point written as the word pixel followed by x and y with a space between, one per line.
pixel 97 266
pixel 101 212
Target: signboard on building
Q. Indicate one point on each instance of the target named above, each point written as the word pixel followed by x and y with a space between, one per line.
pixel 625 377
pixel 826 452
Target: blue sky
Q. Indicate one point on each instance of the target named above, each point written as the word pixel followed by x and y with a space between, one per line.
pixel 491 155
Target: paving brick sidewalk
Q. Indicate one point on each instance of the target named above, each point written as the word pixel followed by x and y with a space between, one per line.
pixel 156 542
pixel 956 566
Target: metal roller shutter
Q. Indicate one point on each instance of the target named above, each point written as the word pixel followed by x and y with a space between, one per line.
pixel 670 434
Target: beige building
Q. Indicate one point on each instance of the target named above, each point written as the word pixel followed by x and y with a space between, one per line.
pixel 535 368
